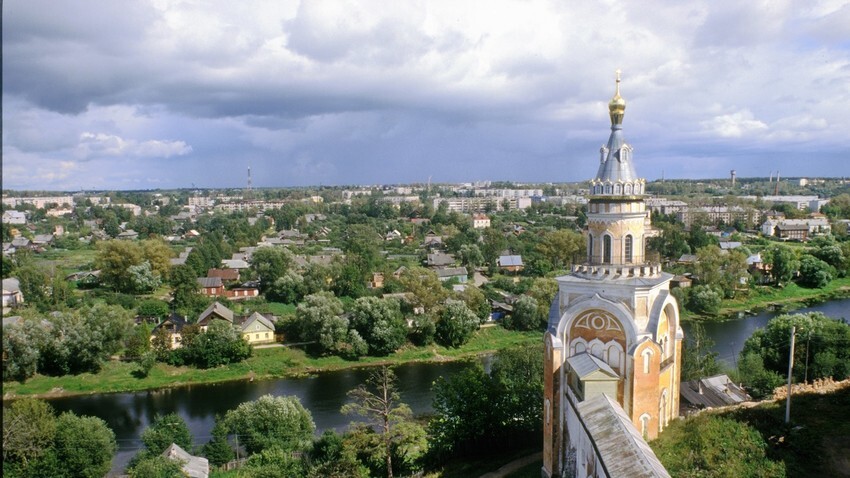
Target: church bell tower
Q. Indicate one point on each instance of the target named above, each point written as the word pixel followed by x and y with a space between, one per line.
pixel 614 328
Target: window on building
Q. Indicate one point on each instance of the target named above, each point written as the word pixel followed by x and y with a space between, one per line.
pixel 267 335
pixel 628 249
pixel 647 356
pixel 606 249
pixel 590 247
pixel 644 425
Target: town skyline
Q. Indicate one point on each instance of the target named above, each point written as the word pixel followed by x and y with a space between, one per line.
pixel 172 95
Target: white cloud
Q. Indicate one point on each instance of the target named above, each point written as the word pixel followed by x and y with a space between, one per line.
pixel 96 145
pixel 735 125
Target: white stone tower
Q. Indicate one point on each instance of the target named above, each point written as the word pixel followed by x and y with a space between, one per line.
pixel 614 327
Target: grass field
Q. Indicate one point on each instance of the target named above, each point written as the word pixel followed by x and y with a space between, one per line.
pixel 787 297
pixel 815 443
pixel 265 363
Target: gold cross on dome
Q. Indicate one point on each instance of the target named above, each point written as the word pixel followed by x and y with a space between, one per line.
pixel 618 74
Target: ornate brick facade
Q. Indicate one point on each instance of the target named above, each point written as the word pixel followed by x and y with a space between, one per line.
pixel 615 325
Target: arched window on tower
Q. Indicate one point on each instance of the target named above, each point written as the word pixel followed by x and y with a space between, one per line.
pixel 628 249
pixel 590 247
pixel 647 358
pixel 606 249
pixel 644 425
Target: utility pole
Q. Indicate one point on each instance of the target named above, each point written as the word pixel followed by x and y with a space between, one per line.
pixel 808 339
pixel 790 369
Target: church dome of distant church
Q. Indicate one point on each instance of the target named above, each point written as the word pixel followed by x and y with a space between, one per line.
pixel 616 175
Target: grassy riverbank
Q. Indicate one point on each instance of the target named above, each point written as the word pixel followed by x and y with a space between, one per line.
pixel 266 363
pixel 789 297
pixel 815 443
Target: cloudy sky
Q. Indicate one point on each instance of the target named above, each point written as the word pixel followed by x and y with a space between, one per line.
pixel 171 93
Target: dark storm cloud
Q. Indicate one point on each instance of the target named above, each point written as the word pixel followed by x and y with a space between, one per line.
pixel 374 91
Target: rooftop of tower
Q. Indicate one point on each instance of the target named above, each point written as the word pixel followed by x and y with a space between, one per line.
pixel 615 157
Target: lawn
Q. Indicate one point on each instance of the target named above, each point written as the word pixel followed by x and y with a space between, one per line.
pixel 787 297
pixel 815 443
pixel 264 364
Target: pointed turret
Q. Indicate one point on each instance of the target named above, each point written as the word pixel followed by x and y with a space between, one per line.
pixel 616 175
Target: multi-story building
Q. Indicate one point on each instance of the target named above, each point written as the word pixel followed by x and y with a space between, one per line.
pixel 480 204
pixel 665 206
pixel 39 202
pixel 718 214
pixel 798 229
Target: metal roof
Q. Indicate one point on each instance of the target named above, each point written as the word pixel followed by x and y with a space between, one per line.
pixel 509 261
pixel 209 281
pixel 585 364
pixel 192 466
pixel 622 450
pixel 617 165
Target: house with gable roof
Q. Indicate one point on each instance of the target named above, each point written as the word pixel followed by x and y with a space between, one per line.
pixel 215 311
pixel 257 329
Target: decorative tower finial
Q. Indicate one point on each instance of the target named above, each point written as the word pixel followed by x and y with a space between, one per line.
pixel 617 106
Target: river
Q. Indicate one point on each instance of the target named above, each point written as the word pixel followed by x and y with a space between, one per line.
pixel 128 414
pixel 729 336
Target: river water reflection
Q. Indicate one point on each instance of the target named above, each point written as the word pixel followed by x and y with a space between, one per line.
pixel 729 336
pixel 128 414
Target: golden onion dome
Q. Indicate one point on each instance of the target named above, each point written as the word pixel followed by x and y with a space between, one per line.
pixel 617 105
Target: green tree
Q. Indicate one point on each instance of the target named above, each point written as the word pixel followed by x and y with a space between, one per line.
pixel 543 290
pixel 217 450
pixel 82 340
pixel 463 419
pixel 838 207
pixel 272 422
pixel 470 256
pixel 29 428
pixel 186 297
pixel 378 402
pixel 21 348
pixel 273 462
pixel 84 445
pixel 457 324
pixel 330 457
pixel 724 272
pixel 758 381
pixel 493 243
pixel 704 299
pixel 698 361
pixel 423 287
pixel 157 253
pixel 517 375
pixel 423 331
pixel 816 334
pixel 142 278
pixel 221 344
pixel 288 288
pixel 380 323
pixel 114 259
pixel 165 430
pixel 156 466
pixel 270 263
pixel 476 301
pixel 561 247
pixel 33 284
pixel 525 315
pixel 815 272
pixel 152 308
pixel 783 263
